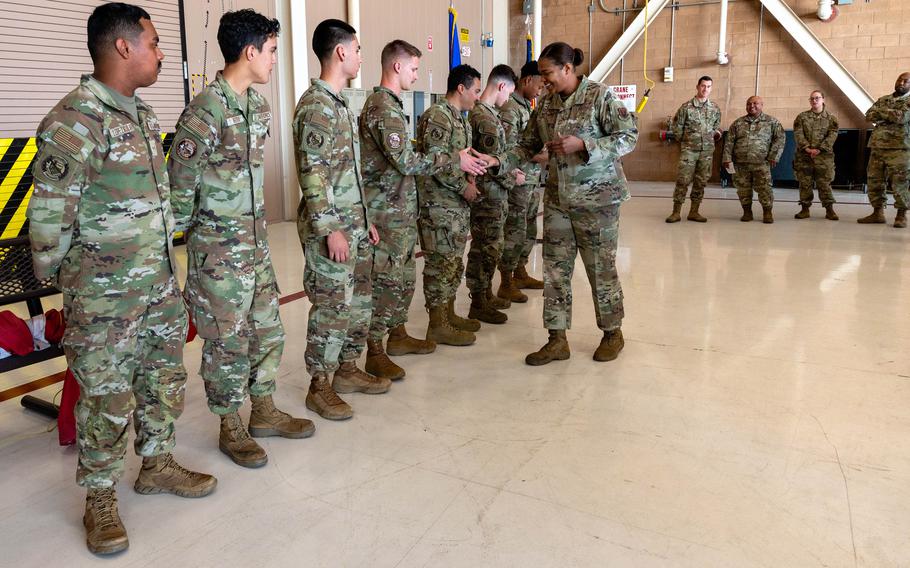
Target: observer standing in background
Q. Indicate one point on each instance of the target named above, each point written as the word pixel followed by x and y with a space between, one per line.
pixel 217 172
pixel 334 230
pixel 889 159
pixel 754 145
pixel 586 131
pixel 815 131
pixel 696 126
pixel 101 226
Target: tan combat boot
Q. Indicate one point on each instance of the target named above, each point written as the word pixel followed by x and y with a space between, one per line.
pixel 459 322
pixel 747 214
pixel 675 216
pixel 766 216
pixel 524 281
pixel 400 343
pixel 496 302
pixel 235 442
pixel 877 216
pixel 556 349
pixel 482 309
pixel 162 474
pixel 610 346
pixel 900 220
pixel 830 214
pixel 348 378
pixel 266 420
pixel 441 330
pixel 324 401
pixel 803 212
pixel 379 364
pixel 694 215
pixel 508 290
pixel 104 531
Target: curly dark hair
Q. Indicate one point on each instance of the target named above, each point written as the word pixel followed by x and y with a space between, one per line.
pixel 242 28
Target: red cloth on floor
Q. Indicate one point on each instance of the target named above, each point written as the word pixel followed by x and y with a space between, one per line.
pixel 66 419
pixel 54 328
pixel 15 336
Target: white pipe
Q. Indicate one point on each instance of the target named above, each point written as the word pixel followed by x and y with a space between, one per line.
pixel 354 21
pixel 299 48
pixel 537 34
pixel 625 42
pixel 722 58
pixel 825 10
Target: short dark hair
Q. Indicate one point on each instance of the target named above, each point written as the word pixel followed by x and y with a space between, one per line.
pixel 502 73
pixel 530 69
pixel 704 78
pixel 110 22
pixel 461 75
pixel 562 53
pixel 396 49
pixel 242 28
pixel 328 34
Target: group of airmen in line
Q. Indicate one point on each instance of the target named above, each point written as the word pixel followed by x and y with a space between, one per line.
pixel 755 142
pixel 106 205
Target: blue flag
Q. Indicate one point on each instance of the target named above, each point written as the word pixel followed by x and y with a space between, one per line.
pixel 454 46
pixel 530 48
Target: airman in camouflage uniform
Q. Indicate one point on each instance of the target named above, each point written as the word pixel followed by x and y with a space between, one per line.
pixel 815 131
pixel 696 126
pixel 586 130
pixel 217 173
pixel 336 276
pixel 754 145
pixel 889 159
pixel 101 227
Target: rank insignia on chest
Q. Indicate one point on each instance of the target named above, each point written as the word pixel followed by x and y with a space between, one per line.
pixel 186 148
pixel 394 141
pixel 315 140
pixel 153 124
pixel 232 120
pixel 54 168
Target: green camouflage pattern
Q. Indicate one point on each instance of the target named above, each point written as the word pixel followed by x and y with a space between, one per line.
pixel 693 168
pixel 888 168
pixel 816 130
pixel 754 140
pixel 891 117
pixel 520 230
pixel 216 170
pixel 442 128
pixel 749 178
pixel 694 125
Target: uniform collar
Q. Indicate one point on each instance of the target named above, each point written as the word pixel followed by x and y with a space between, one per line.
pixel 390 92
pixel 229 94
pixel 487 107
pixel 758 118
pixel 100 90
pixel 320 84
pixel 576 98
pixel 521 100
pixel 699 104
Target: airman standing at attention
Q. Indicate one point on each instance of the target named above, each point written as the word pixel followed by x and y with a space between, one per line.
pixel 815 131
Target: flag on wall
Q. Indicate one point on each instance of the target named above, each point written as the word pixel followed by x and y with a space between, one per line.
pixel 454 46
pixel 530 51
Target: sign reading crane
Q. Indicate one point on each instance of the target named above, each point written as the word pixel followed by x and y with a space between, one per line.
pixel 626 94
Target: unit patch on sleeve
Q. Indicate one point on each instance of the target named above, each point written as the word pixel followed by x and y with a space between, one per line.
pixel 186 148
pixel 55 168
pixel 394 140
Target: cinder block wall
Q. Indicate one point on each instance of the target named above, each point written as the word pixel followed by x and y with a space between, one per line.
pixel 871 39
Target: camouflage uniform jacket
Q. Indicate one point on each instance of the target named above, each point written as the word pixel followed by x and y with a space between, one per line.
pixel 216 171
pixel 325 143
pixel 754 140
pixel 515 115
pixel 442 128
pixel 592 177
pixel 100 215
pixel 390 162
pixel 489 137
pixel 815 130
pixel 695 123
pixel 891 116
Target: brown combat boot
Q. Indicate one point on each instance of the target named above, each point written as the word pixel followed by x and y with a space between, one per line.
pixel 830 214
pixel 508 290
pixel 162 474
pixel 803 212
pixel 766 216
pixel 324 401
pixel 400 343
pixel 104 531
pixel 900 220
pixel 459 322
pixel 747 214
pixel 877 216
pixel 524 281
pixel 675 216
pixel 610 346
pixel 442 331
pixel 266 420
pixel 379 364
pixel 348 378
pixel 482 309
pixel 556 349
pixel 496 302
pixel 235 442
pixel 694 215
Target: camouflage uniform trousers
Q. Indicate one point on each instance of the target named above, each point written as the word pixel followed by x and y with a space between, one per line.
pixel 241 353
pixel 694 168
pixel 753 177
pixel 341 297
pixel 394 276
pixel 488 217
pixel 520 233
pixel 593 232
pixel 126 353
pixel 815 172
pixel 889 168
pixel 443 235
